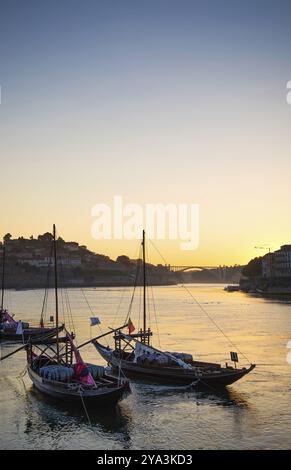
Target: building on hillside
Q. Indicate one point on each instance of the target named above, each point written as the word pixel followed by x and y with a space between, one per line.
pixel 71 262
pixel 278 263
pixel 72 246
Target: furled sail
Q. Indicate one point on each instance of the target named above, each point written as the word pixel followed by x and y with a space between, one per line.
pixel 161 357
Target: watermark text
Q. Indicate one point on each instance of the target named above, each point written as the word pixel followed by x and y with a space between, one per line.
pixel 170 221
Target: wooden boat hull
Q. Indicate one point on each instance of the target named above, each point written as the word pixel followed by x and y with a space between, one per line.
pixel 178 376
pixel 10 334
pixel 67 392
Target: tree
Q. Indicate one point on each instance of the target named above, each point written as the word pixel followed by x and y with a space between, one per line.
pixel 45 237
pixel 123 259
pixel 7 237
pixel 253 268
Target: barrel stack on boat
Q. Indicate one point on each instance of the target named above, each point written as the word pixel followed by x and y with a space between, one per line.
pixel 67 377
pixel 157 366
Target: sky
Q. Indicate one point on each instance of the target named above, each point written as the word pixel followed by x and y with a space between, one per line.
pixel 156 101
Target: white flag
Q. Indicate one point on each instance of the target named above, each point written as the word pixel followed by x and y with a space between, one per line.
pixel 19 330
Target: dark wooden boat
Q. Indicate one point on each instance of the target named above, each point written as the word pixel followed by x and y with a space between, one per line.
pixel 232 288
pixel 10 333
pixel 64 375
pixel 59 377
pixel 9 326
pixel 137 358
pixel 58 370
pixel 198 374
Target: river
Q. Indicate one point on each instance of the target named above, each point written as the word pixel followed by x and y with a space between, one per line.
pixel 254 413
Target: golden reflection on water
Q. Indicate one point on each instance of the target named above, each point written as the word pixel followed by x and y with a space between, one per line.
pixel 253 413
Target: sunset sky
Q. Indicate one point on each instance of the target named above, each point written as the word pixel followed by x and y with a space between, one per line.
pixel 156 101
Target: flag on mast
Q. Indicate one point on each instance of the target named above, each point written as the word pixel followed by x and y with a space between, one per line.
pixel 94 321
pixel 131 326
pixel 19 330
pixel 81 370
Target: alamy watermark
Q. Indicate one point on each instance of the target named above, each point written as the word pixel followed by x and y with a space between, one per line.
pixel 171 221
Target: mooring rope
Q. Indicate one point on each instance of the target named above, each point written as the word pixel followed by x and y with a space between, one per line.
pixel 85 409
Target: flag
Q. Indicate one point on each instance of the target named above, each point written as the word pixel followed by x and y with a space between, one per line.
pixel 9 318
pixel 233 356
pixel 131 326
pixel 94 321
pixel 19 330
pixel 82 372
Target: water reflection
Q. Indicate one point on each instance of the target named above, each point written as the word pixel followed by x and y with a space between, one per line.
pixel 250 414
pixel 222 397
pixel 46 416
pixel 274 298
pixel 44 412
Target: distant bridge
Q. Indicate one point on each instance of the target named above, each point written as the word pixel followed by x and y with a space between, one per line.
pixel 181 269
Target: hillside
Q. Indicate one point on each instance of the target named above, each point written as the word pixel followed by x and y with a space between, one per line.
pixel 29 263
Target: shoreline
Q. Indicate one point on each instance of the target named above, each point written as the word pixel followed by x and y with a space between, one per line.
pixel 110 285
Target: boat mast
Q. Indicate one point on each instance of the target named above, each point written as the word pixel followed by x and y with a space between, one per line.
pixel 3 278
pixel 56 292
pixel 144 286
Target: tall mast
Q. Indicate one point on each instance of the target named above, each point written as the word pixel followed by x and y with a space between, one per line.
pixel 3 279
pixel 144 284
pixel 56 290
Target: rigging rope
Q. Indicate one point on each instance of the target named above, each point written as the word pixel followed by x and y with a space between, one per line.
pixel 158 251
pixel 134 289
pixel 137 251
pixel 139 308
pixel 155 316
pixel 119 305
pixel 89 306
pixel 44 304
pixel 205 312
pixel 214 322
pixel 69 310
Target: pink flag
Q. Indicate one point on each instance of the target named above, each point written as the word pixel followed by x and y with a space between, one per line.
pixel 81 369
pixel 9 318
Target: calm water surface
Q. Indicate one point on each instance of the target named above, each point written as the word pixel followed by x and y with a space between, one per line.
pixel 254 413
